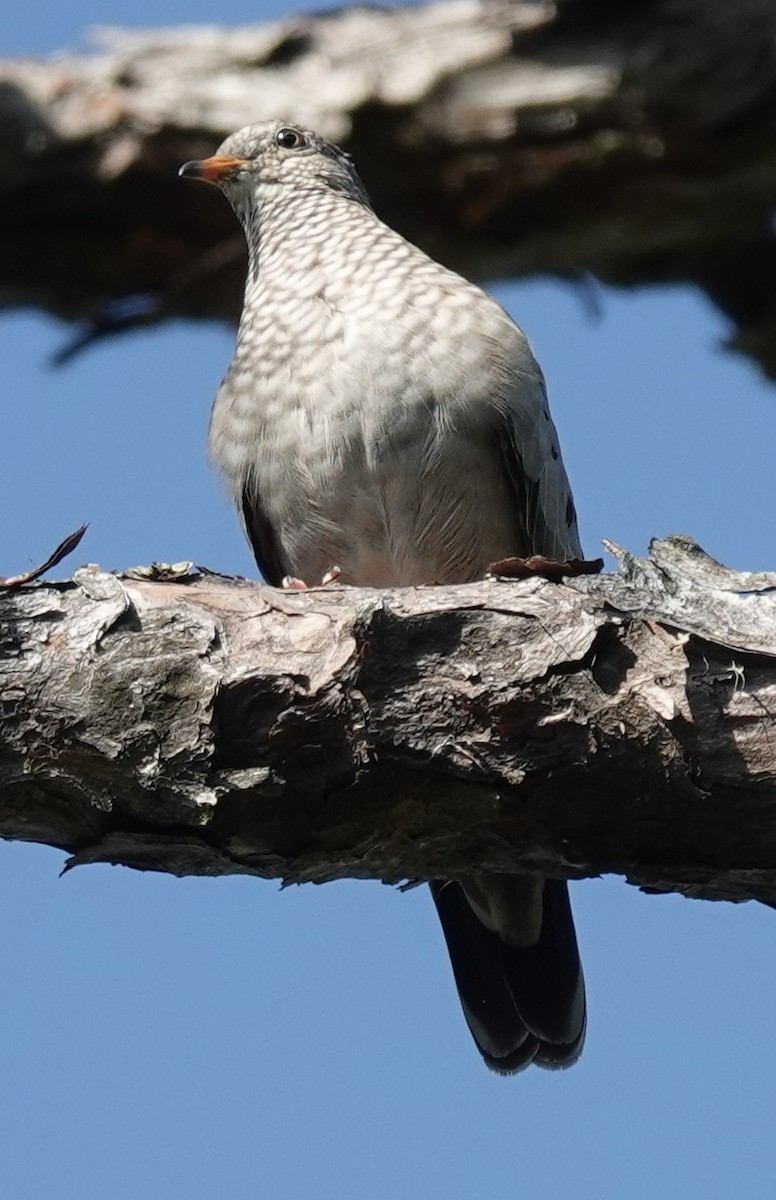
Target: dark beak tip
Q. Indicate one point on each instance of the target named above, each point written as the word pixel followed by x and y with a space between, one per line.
pixel 189 170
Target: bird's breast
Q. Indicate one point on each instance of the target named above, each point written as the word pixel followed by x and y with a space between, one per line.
pixel 370 445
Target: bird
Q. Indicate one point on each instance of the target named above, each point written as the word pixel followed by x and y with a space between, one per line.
pixel 385 417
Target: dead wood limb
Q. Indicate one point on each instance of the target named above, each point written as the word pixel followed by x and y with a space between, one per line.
pixel 630 142
pixel 615 723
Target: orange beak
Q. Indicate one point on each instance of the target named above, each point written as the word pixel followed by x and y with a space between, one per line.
pixel 211 170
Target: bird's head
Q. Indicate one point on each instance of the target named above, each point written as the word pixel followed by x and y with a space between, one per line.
pixel 252 164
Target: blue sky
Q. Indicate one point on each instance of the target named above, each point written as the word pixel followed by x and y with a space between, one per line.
pixel 198 1038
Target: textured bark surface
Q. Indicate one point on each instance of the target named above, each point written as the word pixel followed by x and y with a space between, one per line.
pixel 199 725
pixel 632 142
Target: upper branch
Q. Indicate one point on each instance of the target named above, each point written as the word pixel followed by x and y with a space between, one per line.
pixel 634 142
pixel 201 725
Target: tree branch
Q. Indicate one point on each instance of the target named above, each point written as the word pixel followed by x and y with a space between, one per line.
pixel 631 142
pixel 198 725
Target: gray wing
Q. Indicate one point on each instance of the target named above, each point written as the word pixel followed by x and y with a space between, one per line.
pixel 261 535
pixel 534 464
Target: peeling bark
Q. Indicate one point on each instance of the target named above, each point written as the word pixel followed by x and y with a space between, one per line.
pixel 199 725
pixel 630 142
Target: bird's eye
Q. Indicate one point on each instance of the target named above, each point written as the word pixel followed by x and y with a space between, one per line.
pixel 290 139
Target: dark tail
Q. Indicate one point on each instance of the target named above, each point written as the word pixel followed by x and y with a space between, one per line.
pixel 523 1004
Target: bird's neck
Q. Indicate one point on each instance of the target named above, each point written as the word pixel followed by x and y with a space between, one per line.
pixel 304 231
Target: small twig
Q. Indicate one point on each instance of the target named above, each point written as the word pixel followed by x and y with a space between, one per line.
pixel 545 568
pixel 63 549
pixel 122 314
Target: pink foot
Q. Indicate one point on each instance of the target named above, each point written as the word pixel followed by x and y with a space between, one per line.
pixel 291 583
